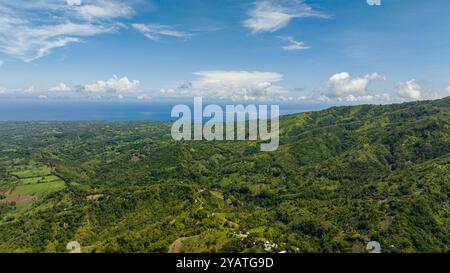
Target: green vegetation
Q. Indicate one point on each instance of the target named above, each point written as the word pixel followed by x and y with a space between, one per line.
pixel 340 178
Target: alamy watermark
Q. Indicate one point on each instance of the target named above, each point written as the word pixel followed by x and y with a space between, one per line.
pixel 232 127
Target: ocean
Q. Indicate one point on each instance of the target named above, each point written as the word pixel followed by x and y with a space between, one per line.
pixel 40 110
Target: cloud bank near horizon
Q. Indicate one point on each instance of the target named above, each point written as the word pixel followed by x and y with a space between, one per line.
pixel 238 86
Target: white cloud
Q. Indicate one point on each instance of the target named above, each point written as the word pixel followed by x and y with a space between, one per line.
pixel 30 89
pixel 98 87
pixel 239 77
pixel 272 15
pixel 238 85
pixel 171 92
pixel 231 85
pixel 1 63
pixel 113 85
pixel 154 32
pixel 74 2
pixel 62 87
pixel 144 97
pixel 385 97
pixel 32 29
pixel 294 45
pixel 448 89
pixel 409 90
pixel 104 10
pixel 342 84
pixel 367 98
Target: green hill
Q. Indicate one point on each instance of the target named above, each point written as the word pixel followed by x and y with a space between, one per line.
pixel 340 178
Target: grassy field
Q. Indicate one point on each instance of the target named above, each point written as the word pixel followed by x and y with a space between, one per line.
pixel 33 183
pixel 38 189
pixel 31 171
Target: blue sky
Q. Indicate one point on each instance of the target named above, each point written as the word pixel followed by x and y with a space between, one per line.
pixel 273 50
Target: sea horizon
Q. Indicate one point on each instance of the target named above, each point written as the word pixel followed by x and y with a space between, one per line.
pixel 60 110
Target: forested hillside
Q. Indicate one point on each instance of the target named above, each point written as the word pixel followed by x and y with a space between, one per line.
pixel 340 178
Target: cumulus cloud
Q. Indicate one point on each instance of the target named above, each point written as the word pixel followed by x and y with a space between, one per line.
pixel 272 15
pixel 409 90
pixel 294 45
pixel 448 89
pixel 231 85
pixel 154 32
pixel 61 87
pixel 113 85
pixel 343 84
pixel 237 85
pixel 32 29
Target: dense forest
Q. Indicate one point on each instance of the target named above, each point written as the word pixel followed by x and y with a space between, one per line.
pixel 341 177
